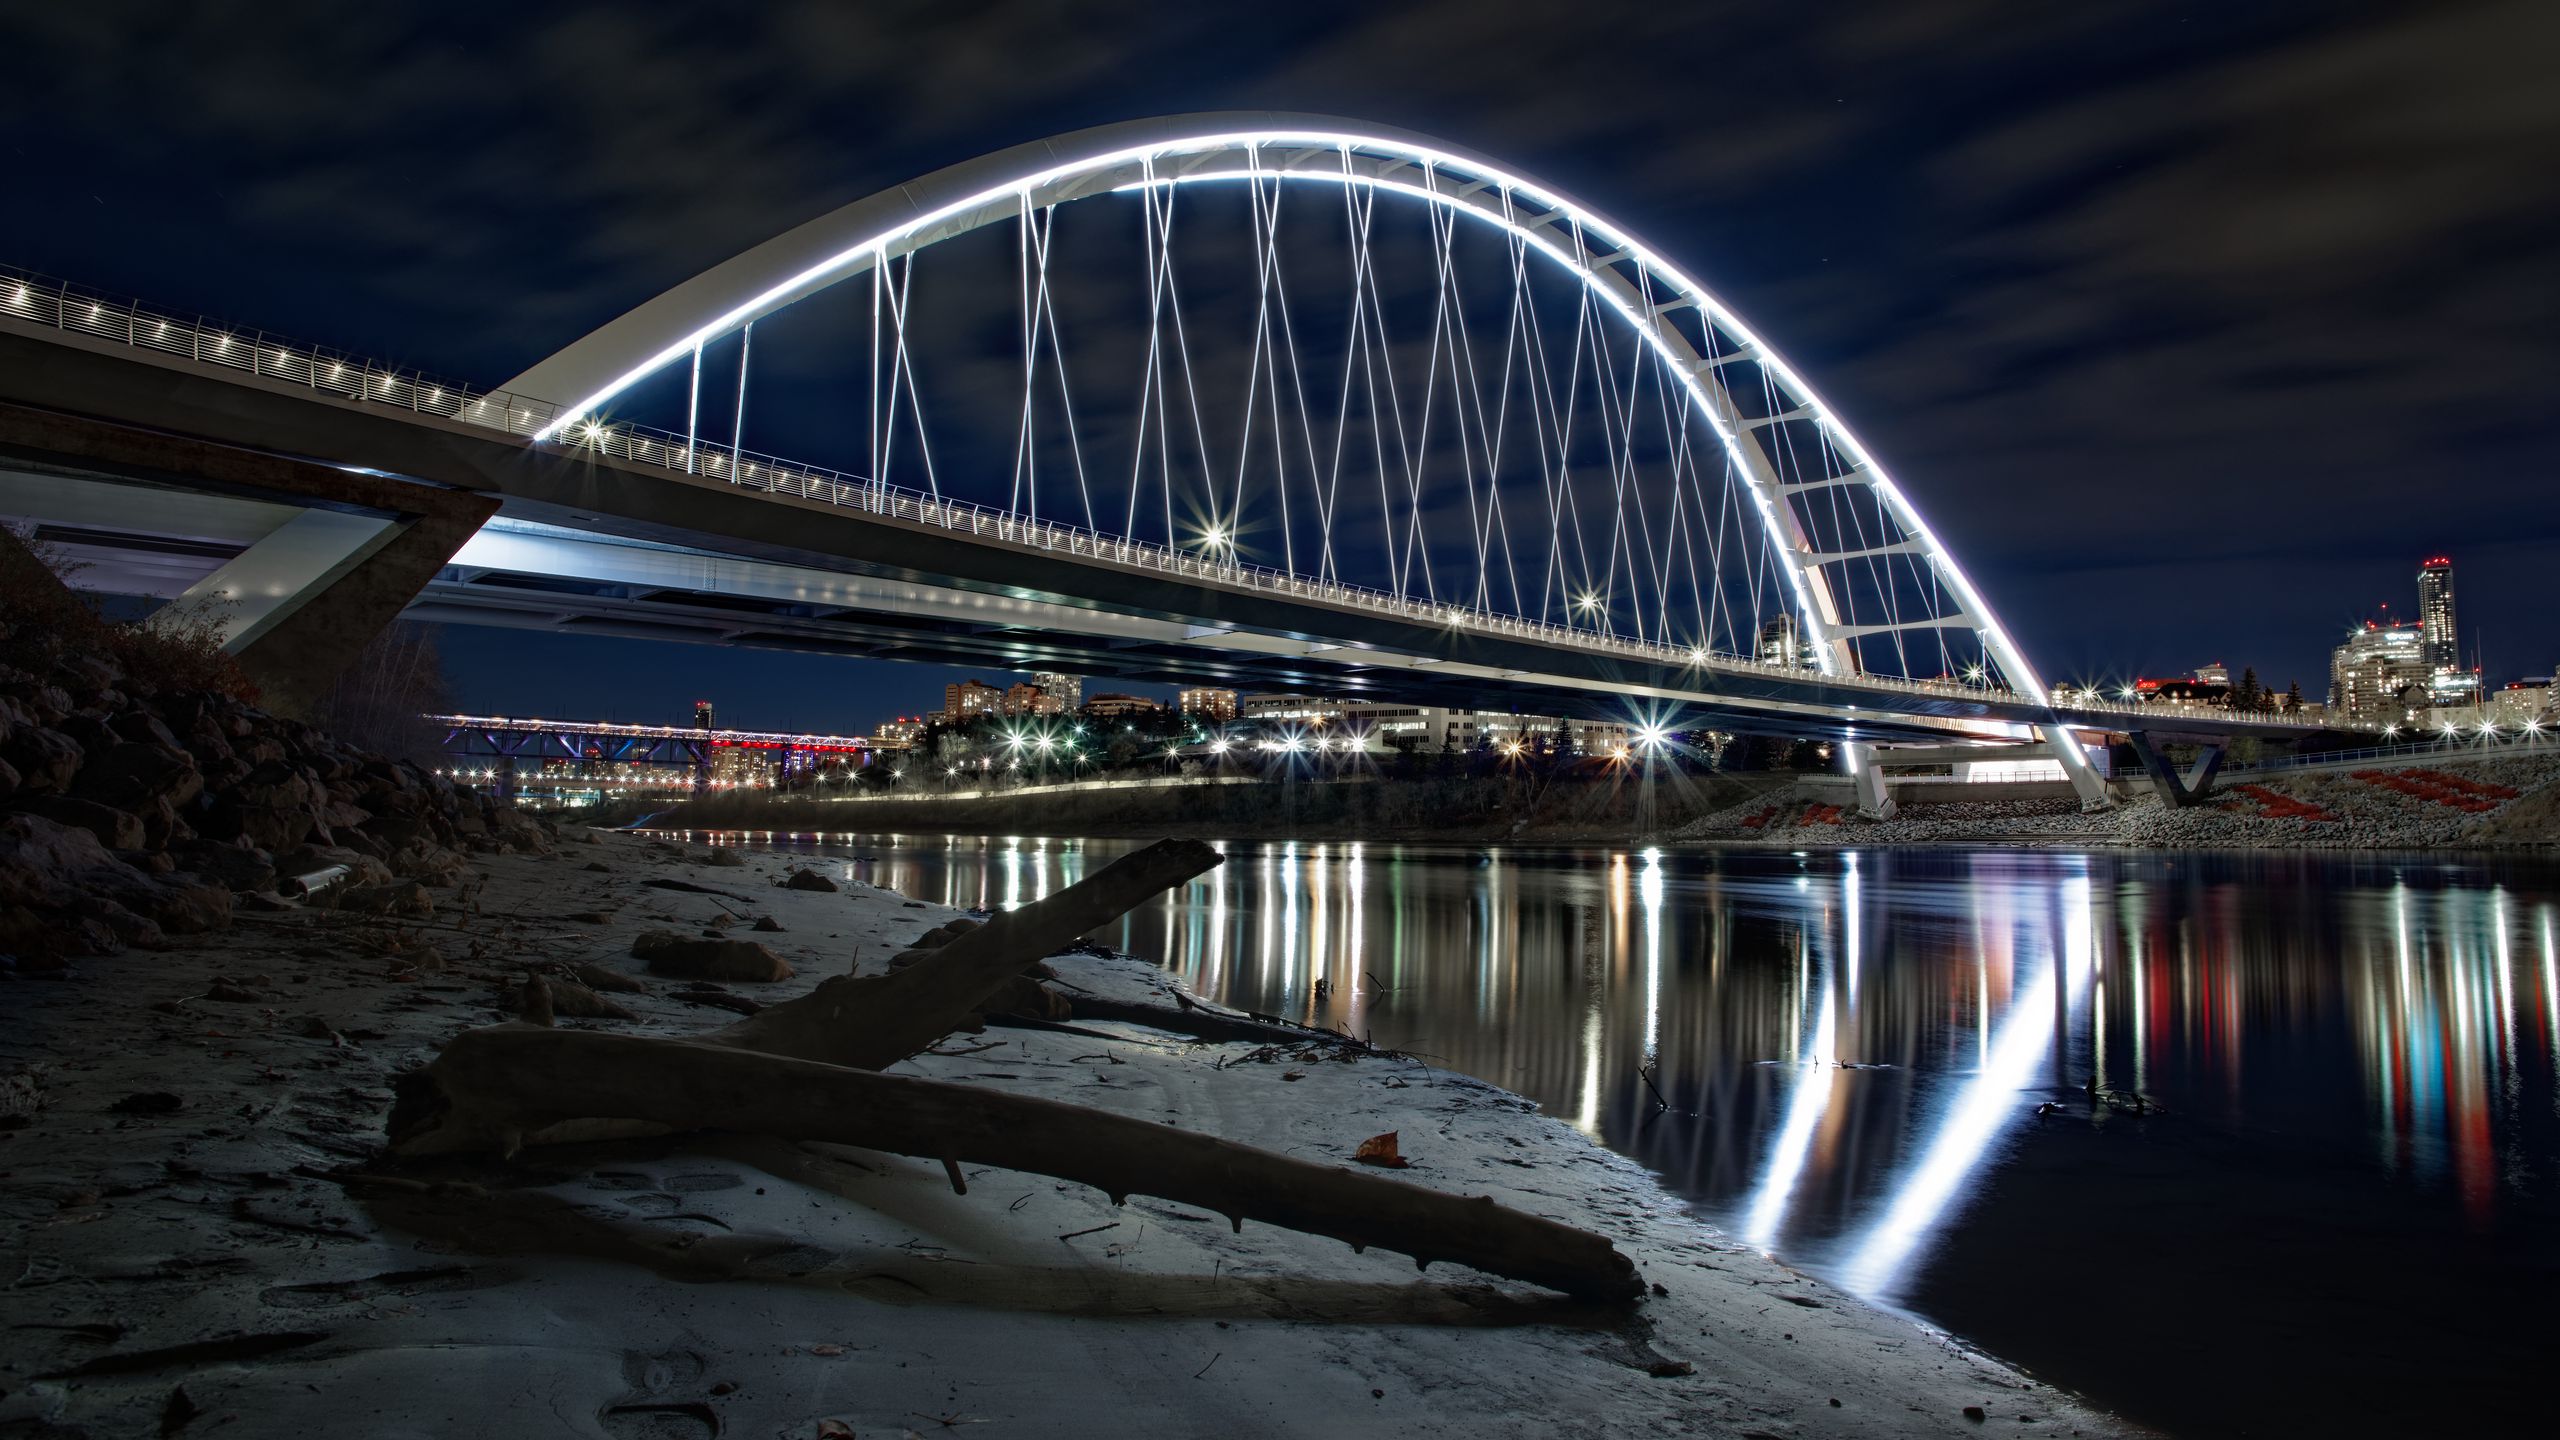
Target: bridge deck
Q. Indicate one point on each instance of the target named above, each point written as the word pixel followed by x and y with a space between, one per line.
pixel 824 562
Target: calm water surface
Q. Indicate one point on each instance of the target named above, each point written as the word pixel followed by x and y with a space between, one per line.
pixel 2317 1192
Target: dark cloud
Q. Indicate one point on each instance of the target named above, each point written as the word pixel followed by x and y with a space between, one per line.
pixel 2189 328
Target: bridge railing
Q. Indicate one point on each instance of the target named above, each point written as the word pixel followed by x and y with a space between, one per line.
pixel 2463 745
pixel 44 301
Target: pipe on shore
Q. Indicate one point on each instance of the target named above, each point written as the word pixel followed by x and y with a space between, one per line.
pixel 303 887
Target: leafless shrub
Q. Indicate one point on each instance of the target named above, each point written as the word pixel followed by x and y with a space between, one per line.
pixel 379 702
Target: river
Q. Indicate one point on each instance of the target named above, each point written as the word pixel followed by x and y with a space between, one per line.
pixel 2316 1190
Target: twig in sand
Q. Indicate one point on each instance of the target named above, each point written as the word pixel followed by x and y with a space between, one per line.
pixel 970 1050
pixel 1096 1230
pixel 1203 1370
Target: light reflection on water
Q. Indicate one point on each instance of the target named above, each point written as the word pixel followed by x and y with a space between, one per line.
pixel 2299 1059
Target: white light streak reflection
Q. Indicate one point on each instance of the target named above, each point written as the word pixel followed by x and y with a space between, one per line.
pixel 1921 1200
pixel 1814 1079
pixel 1649 891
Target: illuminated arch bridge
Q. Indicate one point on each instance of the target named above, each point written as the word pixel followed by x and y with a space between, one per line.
pixel 1264 399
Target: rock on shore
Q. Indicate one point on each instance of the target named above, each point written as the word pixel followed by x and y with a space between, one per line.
pixel 130 814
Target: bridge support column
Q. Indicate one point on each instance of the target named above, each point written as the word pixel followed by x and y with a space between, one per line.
pixel 1875 798
pixel 2181 788
pixel 305 597
pixel 311 595
pixel 263 586
pixel 2086 782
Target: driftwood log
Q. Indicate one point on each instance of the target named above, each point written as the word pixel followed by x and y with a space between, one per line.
pixel 492 1087
pixel 872 1021
pixel 803 1070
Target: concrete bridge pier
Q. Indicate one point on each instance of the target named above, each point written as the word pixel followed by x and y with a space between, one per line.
pixel 2086 782
pixel 1875 800
pixel 2191 786
pixel 310 561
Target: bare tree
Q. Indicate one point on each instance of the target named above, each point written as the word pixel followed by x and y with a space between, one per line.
pixel 381 701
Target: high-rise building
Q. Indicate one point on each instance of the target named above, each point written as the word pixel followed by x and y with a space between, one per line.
pixel 970 698
pixel 1782 642
pixel 1027 699
pixel 2381 673
pixel 702 715
pixel 1217 707
pixel 2441 647
pixel 1068 690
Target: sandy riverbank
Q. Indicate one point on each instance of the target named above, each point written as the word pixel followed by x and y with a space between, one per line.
pixel 205 1255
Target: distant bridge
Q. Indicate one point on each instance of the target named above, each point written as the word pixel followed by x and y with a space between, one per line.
pixel 1271 401
pixel 507 751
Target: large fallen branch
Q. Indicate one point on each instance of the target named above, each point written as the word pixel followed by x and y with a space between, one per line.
pixel 869 1022
pixel 494 1088
pixel 802 1070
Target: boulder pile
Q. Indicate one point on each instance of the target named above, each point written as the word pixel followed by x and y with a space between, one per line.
pixel 132 809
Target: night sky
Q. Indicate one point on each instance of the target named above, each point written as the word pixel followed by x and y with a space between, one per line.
pixel 2191 330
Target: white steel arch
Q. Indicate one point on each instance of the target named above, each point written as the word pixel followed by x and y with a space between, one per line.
pixel 1696 335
